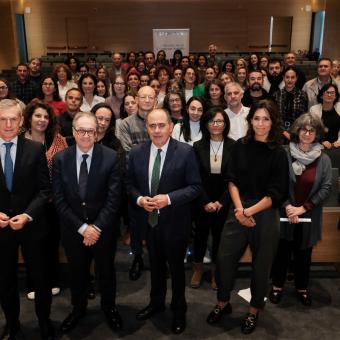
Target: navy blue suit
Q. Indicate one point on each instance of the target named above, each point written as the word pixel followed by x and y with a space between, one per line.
pixel 30 193
pixel 100 208
pixel 166 242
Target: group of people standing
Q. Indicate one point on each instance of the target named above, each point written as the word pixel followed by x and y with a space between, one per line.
pixel 176 159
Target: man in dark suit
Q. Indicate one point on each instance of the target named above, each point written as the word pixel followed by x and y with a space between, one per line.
pixel 24 190
pixel 163 179
pixel 86 186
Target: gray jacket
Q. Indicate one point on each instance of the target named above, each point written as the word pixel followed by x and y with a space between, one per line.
pixel 311 232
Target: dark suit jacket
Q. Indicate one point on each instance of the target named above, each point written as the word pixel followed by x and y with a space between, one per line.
pixel 102 195
pixel 180 179
pixel 215 186
pixel 31 188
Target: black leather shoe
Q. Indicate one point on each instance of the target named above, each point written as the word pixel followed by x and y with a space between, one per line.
pixel 178 325
pixel 46 330
pixel 304 297
pixel 275 295
pixel 91 292
pixel 148 312
pixel 217 313
pixel 113 319
pixel 71 321
pixel 249 323
pixel 135 271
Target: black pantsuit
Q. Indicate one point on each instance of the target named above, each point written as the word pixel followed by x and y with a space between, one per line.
pixel 204 223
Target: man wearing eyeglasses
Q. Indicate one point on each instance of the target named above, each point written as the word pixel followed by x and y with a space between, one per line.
pixel 132 131
pixel 163 179
pixel 24 190
pixel 86 187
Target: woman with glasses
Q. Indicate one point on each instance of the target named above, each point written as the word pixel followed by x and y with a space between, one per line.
pixel 174 103
pixel 257 179
pixel 328 110
pixel 118 93
pixel 213 154
pixel 310 181
pixel 49 94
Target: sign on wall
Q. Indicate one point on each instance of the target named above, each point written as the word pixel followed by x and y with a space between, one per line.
pixel 170 40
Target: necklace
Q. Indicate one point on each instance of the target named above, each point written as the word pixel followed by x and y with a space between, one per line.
pixel 215 153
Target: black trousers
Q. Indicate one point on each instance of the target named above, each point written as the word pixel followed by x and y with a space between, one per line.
pixel 79 259
pixel 204 222
pixel 161 252
pixel 302 261
pixel 34 252
pixel 262 239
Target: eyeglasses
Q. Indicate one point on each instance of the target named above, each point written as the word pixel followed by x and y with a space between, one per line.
pixel 330 93
pixel 175 100
pixel 83 132
pixel 216 123
pixel 2 88
pixel 309 131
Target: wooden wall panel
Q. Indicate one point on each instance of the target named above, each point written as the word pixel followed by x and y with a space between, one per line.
pixel 8 54
pixel 331 46
pixel 124 25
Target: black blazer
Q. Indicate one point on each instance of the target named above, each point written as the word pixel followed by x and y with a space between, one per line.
pixel 180 179
pixel 30 190
pixel 103 189
pixel 215 186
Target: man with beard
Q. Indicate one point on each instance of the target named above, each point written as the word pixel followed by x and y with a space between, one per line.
pixel 236 112
pixel 274 80
pixel 255 91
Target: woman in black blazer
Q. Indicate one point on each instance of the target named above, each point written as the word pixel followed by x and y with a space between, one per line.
pixel 212 152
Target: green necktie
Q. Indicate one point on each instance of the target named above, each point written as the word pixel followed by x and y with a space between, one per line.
pixel 153 216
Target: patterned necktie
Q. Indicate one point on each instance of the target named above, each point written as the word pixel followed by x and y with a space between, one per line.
pixel 8 166
pixel 153 216
pixel 83 174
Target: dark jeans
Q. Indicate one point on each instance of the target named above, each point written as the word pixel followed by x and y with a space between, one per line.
pixel 262 239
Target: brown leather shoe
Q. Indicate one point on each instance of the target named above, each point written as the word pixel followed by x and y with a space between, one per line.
pixel 196 275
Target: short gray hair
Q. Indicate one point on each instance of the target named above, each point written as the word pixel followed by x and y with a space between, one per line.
pixel 84 114
pixel 233 83
pixel 304 120
pixel 6 104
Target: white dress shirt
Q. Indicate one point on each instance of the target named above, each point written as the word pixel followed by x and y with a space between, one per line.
pixel 238 122
pixel 13 151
